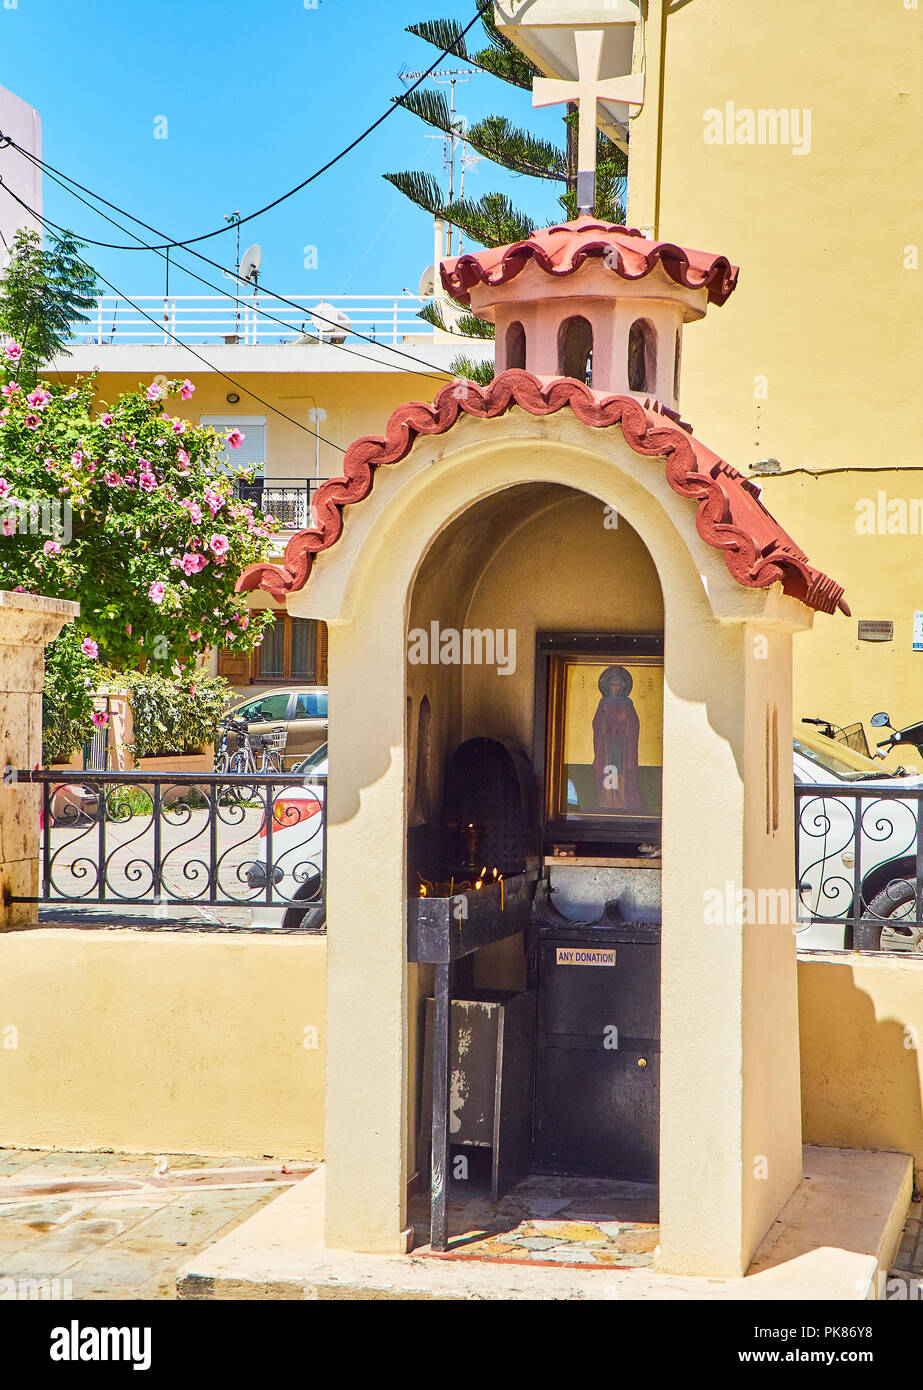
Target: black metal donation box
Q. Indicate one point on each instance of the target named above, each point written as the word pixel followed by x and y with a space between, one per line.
pixel 597 1063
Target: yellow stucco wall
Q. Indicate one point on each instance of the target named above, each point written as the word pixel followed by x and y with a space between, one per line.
pixel 815 358
pixel 861 1077
pixel 356 403
pixel 169 1043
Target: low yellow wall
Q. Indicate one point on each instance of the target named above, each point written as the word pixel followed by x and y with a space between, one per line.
pixel 861 1031
pixel 169 1043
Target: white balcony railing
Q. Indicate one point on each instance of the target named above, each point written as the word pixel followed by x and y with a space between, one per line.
pixel 224 319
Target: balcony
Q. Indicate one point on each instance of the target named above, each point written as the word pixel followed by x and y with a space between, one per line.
pixel 224 319
pixel 289 503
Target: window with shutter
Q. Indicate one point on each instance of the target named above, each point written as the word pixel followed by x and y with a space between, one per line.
pixel 252 452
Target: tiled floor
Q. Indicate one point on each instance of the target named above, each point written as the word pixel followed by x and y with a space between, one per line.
pixel 119 1226
pixel 553 1220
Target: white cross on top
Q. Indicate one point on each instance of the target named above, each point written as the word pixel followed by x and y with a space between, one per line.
pixel 587 91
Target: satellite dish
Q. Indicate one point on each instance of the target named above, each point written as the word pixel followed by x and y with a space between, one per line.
pixel 250 265
pixel 331 325
pixel 427 283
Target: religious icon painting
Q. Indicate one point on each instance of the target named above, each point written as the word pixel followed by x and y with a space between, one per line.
pixel 603 734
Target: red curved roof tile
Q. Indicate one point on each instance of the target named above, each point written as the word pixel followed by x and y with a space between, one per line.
pixel 561 250
pixel 729 515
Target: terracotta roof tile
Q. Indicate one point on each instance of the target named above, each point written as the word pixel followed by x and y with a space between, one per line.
pixel 729 513
pixel 562 249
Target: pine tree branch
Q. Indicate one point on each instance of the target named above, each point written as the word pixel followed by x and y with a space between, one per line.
pixel 421 189
pixel 501 58
pixel 492 220
pixel 444 34
pixel 481 372
pixel 514 148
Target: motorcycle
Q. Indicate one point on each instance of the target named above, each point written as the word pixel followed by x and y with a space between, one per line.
pixel 912 734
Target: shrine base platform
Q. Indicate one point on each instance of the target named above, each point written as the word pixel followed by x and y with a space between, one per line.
pixel 836 1238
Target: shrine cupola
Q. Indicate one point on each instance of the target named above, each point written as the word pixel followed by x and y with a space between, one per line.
pixel 593 301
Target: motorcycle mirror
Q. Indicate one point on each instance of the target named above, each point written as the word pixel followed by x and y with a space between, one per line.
pixel 880 720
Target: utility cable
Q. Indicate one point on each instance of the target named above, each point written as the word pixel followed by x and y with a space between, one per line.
pixel 482 9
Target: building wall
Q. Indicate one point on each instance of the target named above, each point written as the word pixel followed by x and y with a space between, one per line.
pixel 356 403
pixel 24 124
pixel 861 1076
pixel 814 360
pixel 162 1043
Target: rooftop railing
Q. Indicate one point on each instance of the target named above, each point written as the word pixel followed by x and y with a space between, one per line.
pixel 224 319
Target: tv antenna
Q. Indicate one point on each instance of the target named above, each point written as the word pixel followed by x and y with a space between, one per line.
pixel 457 135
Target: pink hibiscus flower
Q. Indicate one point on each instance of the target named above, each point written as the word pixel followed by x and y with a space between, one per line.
pixel 39 398
pixel 186 390
pixel 154 392
pixel 100 718
pixel 219 546
pixel 52 547
pixel 148 482
pixel 214 499
pixel 5 488
pixel 13 352
pixel 235 439
pixel 157 591
pixel 105 419
pixel 89 648
pixel 9 525
pixel 9 389
pixel 112 479
pixel 32 422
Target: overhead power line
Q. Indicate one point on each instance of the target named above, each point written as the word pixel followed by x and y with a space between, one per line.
pixel 315 434
pixel 205 236
pixel 57 176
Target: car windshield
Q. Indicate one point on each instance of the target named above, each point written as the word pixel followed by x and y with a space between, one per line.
pixel 843 762
pixel 313 761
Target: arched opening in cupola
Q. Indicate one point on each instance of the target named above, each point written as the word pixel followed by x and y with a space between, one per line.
pixel 575 349
pixel 642 356
pixel 515 346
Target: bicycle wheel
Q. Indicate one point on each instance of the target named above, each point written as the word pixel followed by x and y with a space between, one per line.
pixel 241 764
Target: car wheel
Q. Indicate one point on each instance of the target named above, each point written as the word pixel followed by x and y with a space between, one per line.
pixel 313 914
pixel 882 927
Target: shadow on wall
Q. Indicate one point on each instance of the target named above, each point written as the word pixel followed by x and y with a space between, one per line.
pixel 861 1030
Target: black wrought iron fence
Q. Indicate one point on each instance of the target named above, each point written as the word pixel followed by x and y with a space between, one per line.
pixel 215 839
pixel 859 865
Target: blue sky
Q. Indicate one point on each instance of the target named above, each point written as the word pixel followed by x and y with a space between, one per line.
pixel 256 96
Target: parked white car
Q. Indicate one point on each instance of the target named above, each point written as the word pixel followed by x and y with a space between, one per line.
pixel 827 838
pixel 298 837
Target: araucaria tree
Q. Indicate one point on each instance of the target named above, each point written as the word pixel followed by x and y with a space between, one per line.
pixel 493 220
pixel 130 511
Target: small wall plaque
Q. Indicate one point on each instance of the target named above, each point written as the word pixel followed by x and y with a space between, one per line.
pixel 876 630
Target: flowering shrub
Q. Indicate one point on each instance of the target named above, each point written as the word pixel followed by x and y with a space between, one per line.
pixel 173 716
pixel 67 702
pixel 147 530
